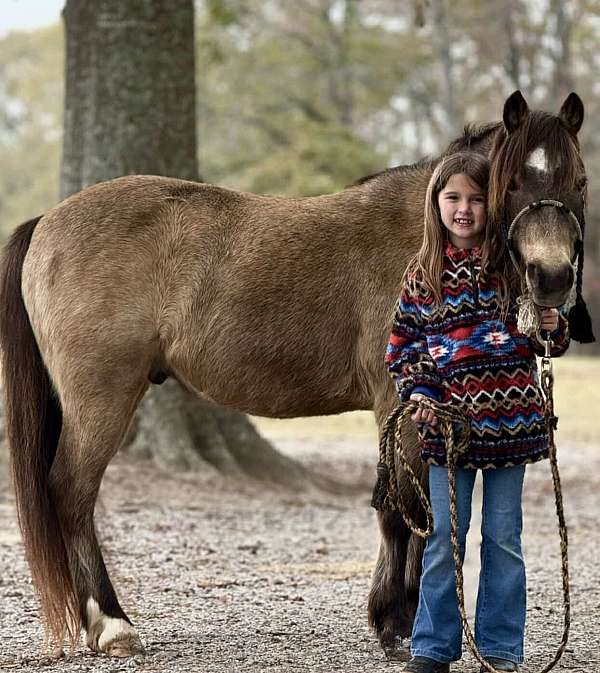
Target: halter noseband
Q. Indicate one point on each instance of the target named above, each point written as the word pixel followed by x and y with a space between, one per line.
pixel 580 323
pixel 534 205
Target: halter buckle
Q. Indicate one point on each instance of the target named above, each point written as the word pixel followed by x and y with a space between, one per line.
pixel 548 343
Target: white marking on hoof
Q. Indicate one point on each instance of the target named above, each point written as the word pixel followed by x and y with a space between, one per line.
pixel 109 634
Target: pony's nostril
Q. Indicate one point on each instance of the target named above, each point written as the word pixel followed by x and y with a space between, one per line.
pixel 552 280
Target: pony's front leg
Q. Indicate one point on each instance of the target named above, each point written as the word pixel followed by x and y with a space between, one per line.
pixel 394 593
pixel 390 610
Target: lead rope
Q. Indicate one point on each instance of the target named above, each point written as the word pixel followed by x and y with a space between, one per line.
pixel 387 497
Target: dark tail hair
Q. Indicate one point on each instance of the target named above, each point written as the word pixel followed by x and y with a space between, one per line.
pixel 33 425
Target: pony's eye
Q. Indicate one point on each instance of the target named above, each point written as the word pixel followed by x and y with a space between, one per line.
pixel 581 183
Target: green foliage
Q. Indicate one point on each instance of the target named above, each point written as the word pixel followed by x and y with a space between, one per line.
pixel 289 95
pixel 31 97
pixel 317 159
pixel 224 12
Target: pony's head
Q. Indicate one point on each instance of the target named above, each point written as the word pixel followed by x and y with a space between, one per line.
pixel 537 192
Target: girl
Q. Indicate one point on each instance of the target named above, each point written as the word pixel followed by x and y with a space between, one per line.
pixel 455 339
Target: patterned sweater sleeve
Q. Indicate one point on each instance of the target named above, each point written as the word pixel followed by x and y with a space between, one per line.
pixel 407 359
pixel 560 339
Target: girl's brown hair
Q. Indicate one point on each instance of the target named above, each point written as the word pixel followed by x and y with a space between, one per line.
pixel 427 265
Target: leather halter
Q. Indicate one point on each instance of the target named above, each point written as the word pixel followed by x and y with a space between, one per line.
pixel 534 205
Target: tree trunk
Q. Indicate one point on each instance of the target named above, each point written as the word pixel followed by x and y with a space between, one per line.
pixel 345 63
pixel 441 42
pixel 562 63
pixel 513 60
pixel 130 108
pixel 179 432
pixel 130 91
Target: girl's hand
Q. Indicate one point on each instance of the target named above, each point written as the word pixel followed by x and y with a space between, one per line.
pixel 549 320
pixel 423 415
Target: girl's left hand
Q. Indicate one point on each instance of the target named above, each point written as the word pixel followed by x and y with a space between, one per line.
pixel 549 320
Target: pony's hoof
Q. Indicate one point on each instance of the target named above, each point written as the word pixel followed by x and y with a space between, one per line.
pixel 396 649
pixel 124 644
pixel 128 646
pixel 111 635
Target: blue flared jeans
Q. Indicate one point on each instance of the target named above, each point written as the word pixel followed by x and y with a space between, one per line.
pixel 501 597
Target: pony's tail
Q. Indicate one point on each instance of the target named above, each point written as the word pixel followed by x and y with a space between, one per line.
pixel 33 424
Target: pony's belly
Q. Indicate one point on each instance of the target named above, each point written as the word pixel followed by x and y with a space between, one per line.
pixel 257 382
pixel 288 402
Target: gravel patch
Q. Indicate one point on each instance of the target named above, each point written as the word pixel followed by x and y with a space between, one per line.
pixel 220 576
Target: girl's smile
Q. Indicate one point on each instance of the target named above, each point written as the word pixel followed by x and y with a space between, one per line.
pixel 462 210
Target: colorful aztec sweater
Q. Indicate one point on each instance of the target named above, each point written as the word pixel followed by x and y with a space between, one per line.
pixel 463 351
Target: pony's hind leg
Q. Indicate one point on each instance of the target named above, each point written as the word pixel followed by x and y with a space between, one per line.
pixel 93 429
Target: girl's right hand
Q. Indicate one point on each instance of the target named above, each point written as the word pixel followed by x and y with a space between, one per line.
pixel 423 415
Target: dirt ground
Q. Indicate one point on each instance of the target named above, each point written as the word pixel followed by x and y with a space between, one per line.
pixel 224 578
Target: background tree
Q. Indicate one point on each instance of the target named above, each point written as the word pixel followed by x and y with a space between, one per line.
pixel 130 108
pixel 31 93
pixel 130 91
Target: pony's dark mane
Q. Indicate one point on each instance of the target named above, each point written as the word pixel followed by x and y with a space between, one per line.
pixel 473 135
pixel 424 163
pixel 564 167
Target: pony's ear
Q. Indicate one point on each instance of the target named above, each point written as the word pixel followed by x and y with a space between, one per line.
pixel 515 111
pixel 571 113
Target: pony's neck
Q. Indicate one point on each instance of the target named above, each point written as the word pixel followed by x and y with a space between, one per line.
pixel 396 194
pixel 388 210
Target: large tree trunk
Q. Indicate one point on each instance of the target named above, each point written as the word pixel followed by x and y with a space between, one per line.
pixel 130 91
pixel 510 20
pixel 179 432
pixel 562 63
pixel 130 108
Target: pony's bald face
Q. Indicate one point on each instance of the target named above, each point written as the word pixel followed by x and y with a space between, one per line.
pixel 544 239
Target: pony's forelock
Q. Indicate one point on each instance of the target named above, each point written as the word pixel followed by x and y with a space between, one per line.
pixel 539 130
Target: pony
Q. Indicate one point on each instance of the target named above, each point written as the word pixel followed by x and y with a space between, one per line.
pixel 273 306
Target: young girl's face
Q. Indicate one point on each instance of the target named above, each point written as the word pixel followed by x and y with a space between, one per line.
pixel 463 210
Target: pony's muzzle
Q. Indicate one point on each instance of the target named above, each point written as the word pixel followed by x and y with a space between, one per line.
pixel 550 286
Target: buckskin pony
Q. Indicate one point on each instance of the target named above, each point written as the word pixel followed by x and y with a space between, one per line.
pixel 273 306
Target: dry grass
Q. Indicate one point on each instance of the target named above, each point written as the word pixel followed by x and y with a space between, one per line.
pixel 360 423
pixel 577 403
pixel 577 398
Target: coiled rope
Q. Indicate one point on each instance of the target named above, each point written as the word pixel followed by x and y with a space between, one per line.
pixel 386 495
